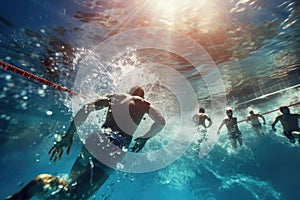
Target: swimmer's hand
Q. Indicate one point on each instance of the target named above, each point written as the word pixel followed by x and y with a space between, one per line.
pixel 59 146
pixel 139 144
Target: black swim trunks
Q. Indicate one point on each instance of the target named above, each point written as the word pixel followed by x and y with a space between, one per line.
pixel 234 135
pixel 258 125
pixel 117 139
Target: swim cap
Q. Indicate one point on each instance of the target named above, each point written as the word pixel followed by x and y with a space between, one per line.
pixel 251 112
pixel 137 91
pixel 228 111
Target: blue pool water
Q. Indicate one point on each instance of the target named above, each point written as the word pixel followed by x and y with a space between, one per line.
pixel 217 54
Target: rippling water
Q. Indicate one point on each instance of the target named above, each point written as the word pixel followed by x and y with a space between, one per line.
pixel 244 50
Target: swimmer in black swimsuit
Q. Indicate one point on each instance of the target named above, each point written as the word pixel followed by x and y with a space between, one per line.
pixel 125 112
pixel 234 133
pixel 289 123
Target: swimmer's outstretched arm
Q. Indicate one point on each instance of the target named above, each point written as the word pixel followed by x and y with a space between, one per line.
pixel 274 123
pixel 66 140
pixel 223 122
pixel 209 121
pixel 157 126
pixel 261 116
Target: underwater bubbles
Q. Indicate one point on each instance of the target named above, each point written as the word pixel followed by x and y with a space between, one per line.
pixel 49 112
pixel 118 69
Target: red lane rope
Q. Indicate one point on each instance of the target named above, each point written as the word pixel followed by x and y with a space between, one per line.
pixel 31 76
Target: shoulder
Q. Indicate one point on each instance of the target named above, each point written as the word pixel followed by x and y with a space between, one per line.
pixel 117 96
pixel 102 99
pixel 196 115
pixel 140 101
pixel 106 100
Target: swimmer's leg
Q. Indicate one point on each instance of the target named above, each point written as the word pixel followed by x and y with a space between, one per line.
pixel 290 136
pixel 80 164
pixel 292 140
pixel 296 135
pixel 38 187
pixel 88 182
pixel 258 130
pixel 233 142
pixel 298 138
pixel 25 193
pixel 240 140
pixel 77 169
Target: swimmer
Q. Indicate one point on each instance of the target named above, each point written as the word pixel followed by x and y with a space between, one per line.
pixel 235 135
pixel 201 117
pixel 289 123
pixel 88 174
pixel 253 120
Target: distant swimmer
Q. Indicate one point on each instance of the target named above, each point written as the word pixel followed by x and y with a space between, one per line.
pixel 289 123
pixel 201 118
pixel 234 133
pixel 88 174
pixel 253 120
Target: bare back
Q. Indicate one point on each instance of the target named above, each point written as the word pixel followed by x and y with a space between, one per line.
pixel 289 122
pixel 254 119
pixel 200 118
pixel 125 113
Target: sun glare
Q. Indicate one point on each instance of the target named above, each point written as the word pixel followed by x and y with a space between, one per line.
pixel 171 7
pixel 176 11
pixel 173 4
